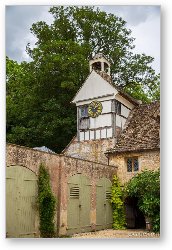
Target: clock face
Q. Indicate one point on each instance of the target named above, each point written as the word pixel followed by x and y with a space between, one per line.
pixel 95 109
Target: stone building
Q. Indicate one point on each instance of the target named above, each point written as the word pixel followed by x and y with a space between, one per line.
pixel 116 135
pixel 120 132
pixel 138 146
pixel 102 111
pixel 137 149
pixel 112 127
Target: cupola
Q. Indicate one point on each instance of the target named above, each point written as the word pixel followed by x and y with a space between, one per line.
pixel 100 63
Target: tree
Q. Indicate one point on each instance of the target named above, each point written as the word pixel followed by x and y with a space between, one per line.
pixel 39 111
pixel 17 102
pixel 146 187
pixel 96 31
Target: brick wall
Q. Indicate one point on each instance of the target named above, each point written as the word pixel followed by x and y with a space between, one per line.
pixel 147 160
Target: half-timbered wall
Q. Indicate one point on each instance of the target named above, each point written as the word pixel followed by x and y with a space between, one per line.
pixel 103 126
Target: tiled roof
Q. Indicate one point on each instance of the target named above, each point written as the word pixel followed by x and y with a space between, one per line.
pixel 141 130
pixel 44 149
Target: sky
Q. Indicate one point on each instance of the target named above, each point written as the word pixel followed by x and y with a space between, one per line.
pixel 143 20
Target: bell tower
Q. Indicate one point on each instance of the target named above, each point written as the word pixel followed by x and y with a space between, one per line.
pixel 100 63
pixel 102 111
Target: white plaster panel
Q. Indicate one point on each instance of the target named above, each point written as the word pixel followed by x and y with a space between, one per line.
pixel 124 101
pixel 87 135
pixel 101 121
pixel 103 133
pixel 91 135
pixel 124 111
pixel 109 132
pixel 81 135
pixel 94 86
pixel 118 121
pixel 98 134
pixel 123 120
pixel 106 107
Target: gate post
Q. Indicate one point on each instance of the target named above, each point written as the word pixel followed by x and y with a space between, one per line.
pixel 62 206
pixel 93 206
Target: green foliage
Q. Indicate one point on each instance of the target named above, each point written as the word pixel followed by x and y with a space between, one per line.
pixel 146 187
pixel 147 93
pixel 39 93
pixel 47 203
pixel 117 205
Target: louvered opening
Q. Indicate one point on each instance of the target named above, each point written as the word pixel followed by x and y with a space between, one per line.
pixel 108 195
pixel 74 192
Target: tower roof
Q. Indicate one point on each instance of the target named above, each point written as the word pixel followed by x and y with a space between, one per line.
pixel 98 56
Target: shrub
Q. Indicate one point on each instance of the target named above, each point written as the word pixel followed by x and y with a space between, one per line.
pixel 47 203
pixel 117 205
pixel 146 187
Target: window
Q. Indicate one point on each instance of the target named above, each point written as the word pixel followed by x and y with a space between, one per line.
pixel 129 165
pixel 132 165
pixel 84 123
pixel 83 111
pixel 117 107
pixel 136 165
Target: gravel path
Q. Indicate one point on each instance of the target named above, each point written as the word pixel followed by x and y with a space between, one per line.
pixel 110 233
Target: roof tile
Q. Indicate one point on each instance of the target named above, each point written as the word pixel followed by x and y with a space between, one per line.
pixel 141 130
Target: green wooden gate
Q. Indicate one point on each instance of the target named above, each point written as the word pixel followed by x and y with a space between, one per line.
pixel 21 193
pixel 104 218
pixel 78 211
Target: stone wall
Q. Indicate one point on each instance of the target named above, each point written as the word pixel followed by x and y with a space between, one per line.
pixel 147 160
pixel 30 158
pixel 94 171
pixel 92 150
pixel 27 157
pixel 61 168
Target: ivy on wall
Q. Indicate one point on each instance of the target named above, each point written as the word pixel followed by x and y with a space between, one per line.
pixel 119 221
pixel 47 204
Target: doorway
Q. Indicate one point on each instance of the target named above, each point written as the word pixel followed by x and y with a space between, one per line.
pixel 134 217
pixel 79 202
pixel 104 216
pixel 21 200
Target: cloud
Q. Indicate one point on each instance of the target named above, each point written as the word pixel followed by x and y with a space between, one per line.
pixel 148 40
pixel 19 20
pixel 143 20
pixel 133 14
